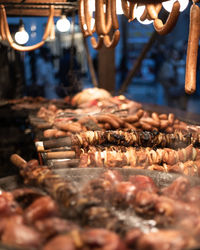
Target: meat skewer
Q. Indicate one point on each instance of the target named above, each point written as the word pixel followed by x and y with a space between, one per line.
pixel 44 177
pixel 121 156
pixel 132 138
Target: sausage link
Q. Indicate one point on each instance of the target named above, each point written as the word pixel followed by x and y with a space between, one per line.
pixel 131 11
pixel 140 113
pixel 107 126
pixel 163 116
pixel 155 116
pixel 145 126
pixel 151 122
pixel 88 16
pixel 82 22
pixel 169 130
pixel 72 127
pixel 131 118
pixel 171 118
pixel 152 11
pixel 164 124
pixel 192 50
pixel 117 118
pixel 115 39
pixel 49 133
pixel 103 22
pixel 2 28
pixel 105 118
pixel 164 29
pixel 97 44
pixel 144 15
pixel 125 8
pixel 115 22
pixel 129 126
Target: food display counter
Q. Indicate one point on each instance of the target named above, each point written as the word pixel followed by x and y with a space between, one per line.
pixel 101 172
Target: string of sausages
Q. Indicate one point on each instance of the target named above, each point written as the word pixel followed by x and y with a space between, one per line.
pixel 107 20
pixel 104 23
pixel 6 35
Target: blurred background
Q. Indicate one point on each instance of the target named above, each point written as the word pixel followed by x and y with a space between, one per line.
pixel 60 67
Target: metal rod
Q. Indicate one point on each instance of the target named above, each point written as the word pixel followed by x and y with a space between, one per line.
pixel 42 8
pixel 40 3
pixel 137 64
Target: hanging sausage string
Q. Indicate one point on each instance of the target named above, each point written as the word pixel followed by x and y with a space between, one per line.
pixel 106 21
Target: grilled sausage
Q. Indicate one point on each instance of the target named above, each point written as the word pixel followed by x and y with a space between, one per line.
pixel 164 29
pixel 192 50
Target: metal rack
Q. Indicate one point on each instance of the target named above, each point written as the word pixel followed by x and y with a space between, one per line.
pixel 39 8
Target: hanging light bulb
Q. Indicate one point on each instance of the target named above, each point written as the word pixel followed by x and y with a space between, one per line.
pixel 138 11
pixel 92 5
pixel 119 9
pixel 21 36
pixel 169 4
pixel 63 24
pixel 92 24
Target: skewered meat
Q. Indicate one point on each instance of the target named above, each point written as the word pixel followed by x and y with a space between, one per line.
pixel 40 209
pixel 177 189
pixel 132 138
pixel 52 183
pixel 120 156
pixel 60 242
pixel 25 196
pixel 102 239
pixel 52 226
pixel 144 183
pixel 164 239
pixel 8 206
pixel 16 233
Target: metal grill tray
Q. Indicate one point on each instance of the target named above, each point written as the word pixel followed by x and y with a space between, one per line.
pixel 79 177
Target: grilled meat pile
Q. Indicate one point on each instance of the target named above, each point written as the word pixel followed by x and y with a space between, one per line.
pixel 109 212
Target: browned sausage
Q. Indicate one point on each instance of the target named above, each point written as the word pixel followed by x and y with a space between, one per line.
pixel 88 16
pixel 192 50
pixel 169 130
pixel 2 29
pixel 97 44
pixel 164 124
pixel 73 127
pixel 115 22
pixel 107 126
pixel 140 113
pixel 131 118
pixel 105 118
pixel 145 125
pixel 82 22
pixel 171 118
pixel 163 116
pixel 155 116
pixel 153 10
pixel 103 22
pixel 131 11
pixel 164 29
pixel 115 39
pixel 144 15
pixel 151 121
pixel 49 133
pixel 125 8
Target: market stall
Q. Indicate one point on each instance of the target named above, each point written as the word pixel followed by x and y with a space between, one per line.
pixel 101 171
